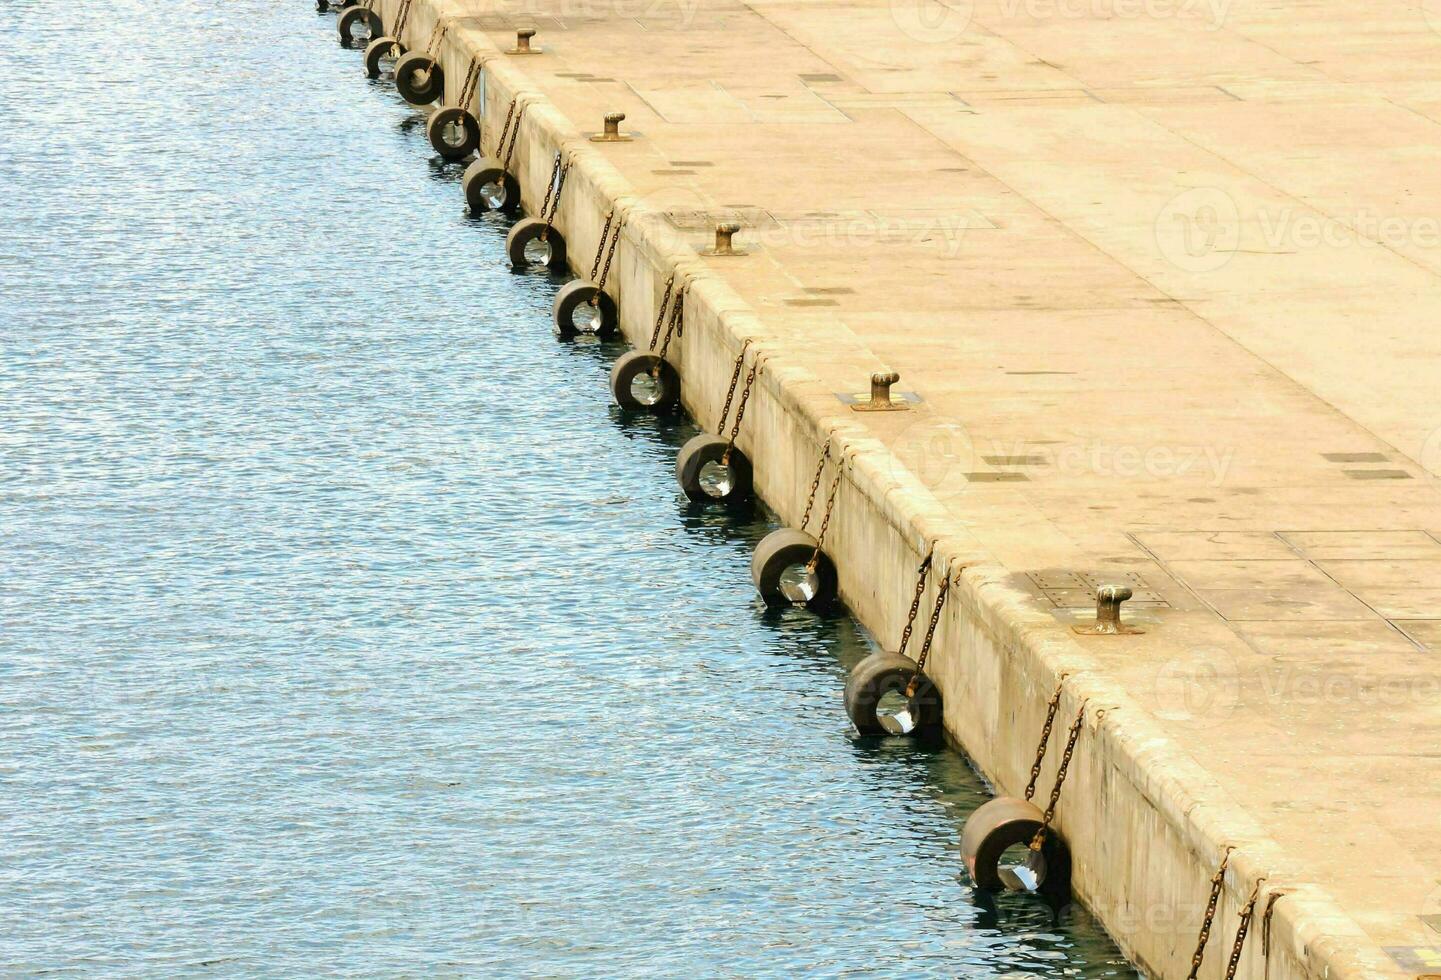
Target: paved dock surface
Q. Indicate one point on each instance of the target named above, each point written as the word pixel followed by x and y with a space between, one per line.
pixel 1166 279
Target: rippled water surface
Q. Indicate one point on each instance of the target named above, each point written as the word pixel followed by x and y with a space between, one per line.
pixel 346 627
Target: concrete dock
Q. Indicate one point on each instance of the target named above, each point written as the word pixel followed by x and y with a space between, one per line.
pixel 1161 277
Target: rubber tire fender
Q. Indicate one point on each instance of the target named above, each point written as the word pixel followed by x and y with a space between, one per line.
pixel 443 117
pixel 876 676
pixel 419 78
pixel 378 50
pixel 527 230
pixel 705 448
pixel 488 170
pixel 350 18
pixel 577 293
pixel 633 363
pixel 1002 823
pixel 782 549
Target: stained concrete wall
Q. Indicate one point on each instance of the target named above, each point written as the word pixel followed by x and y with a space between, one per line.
pixel 1145 824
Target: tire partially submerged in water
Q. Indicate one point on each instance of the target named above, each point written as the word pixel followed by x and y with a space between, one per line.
pixel 378 50
pixel 883 673
pixel 357 24
pixel 488 187
pixel 705 479
pixel 573 312
pixel 1006 822
pixel 532 242
pixel 453 132
pixel 774 570
pixel 642 382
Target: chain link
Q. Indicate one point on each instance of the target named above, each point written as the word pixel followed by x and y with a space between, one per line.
pixel 922 573
pixel 514 137
pixel 1243 927
pixel 600 245
pixel 731 392
pixel 437 34
pixel 609 254
pixel 1051 707
pixel 552 195
pixel 815 483
pixel 677 322
pixel 825 519
pixel 741 408
pixel 660 312
pixel 401 16
pixel 505 127
pixel 941 592
pixel 1038 841
pixel 402 13
pixel 1216 880
pixel 550 189
pixel 472 82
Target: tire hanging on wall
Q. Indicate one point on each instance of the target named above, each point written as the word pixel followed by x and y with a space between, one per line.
pixel 574 315
pixel 419 78
pixel 488 187
pixel 1003 823
pixel 357 24
pixel 453 132
pixel 532 243
pixel 701 483
pixel 774 571
pixel 880 674
pixel 642 382
pixel 378 50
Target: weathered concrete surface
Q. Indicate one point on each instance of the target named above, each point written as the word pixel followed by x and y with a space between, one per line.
pixel 1164 275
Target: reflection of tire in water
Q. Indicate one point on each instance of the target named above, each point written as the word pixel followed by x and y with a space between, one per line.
pixel 936 451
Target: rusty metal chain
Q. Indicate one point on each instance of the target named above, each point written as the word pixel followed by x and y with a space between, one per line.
pixel 472 82
pixel 505 127
pixel 677 322
pixel 600 245
pixel 741 408
pixel 1243 927
pixel 1051 707
pixel 1038 841
pixel 941 591
pixel 514 136
pixel 922 573
pixel 661 311
pixel 437 34
pixel 609 254
pixel 731 392
pixel 552 194
pixel 402 15
pixel 1217 879
pixel 815 483
pixel 826 518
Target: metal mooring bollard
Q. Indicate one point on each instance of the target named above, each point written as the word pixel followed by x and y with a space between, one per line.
pixel 724 233
pixel 1108 613
pixel 611 133
pixel 522 42
pixel 880 400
